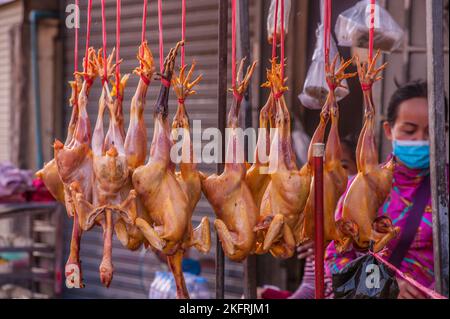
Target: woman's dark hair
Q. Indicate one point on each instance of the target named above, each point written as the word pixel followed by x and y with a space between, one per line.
pixel 408 91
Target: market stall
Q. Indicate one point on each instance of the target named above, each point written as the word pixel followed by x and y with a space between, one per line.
pixel 141 187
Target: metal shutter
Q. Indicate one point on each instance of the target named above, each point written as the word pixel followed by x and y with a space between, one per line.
pixel 10 14
pixel 202 28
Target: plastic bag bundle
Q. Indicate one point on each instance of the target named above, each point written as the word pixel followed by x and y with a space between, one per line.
pixel 271 18
pixel 315 90
pixel 352 28
pixel 365 278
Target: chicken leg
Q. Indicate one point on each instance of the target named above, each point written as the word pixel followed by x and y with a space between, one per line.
pixel 257 176
pixel 110 175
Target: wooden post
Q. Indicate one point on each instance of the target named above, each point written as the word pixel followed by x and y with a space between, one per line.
pixel 244 37
pixel 436 100
pixel 222 115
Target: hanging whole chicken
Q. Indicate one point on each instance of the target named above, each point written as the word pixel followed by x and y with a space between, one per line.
pixel 171 197
pixel 228 193
pixel 136 147
pixel 73 163
pixel 287 191
pixel 334 175
pixel 110 175
pixel 368 191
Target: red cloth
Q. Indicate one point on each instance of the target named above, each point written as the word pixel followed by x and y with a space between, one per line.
pixel 40 192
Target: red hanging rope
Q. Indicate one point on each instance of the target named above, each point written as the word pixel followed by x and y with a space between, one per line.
pixel 282 40
pixel 371 28
pixel 105 64
pixel 88 37
pixel 327 30
pixel 75 55
pixel 274 37
pixel 161 42
pixel 118 14
pixel 143 38
pixel 183 30
pixel 144 21
pixel 233 45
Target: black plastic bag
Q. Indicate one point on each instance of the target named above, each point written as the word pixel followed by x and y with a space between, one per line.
pixel 365 278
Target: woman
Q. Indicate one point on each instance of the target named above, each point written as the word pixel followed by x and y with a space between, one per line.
pixel 407 128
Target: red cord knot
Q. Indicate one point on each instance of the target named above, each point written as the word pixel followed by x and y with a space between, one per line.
pixel 181 101
pixel 145 79
pixel 165 82
pixel 331 85
pixel 366 86
pixel 89 81
pixel 278 95
pixel 237 96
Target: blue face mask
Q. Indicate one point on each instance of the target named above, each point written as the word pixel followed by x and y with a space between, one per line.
pixel 414 154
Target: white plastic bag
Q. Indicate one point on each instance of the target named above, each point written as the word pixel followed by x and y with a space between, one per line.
pixel 352 28
pixel 271 18
pixel 315 89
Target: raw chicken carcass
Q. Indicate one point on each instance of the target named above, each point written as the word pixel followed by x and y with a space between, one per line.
pixel 372 184
pixel 334 175
pixel 171 197
pixel 110 175
pixel 228 193
pixel 73 162
pixel 136 146
pixel 286 194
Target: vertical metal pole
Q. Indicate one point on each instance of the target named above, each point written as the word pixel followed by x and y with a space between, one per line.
pixel 318 153
pixel 222 111
pixel 439 187
pixel 244 36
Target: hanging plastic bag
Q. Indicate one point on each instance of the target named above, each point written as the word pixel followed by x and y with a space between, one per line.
pixel 365 278
pixel 352 28
pixel 315 89
pixel 271 18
